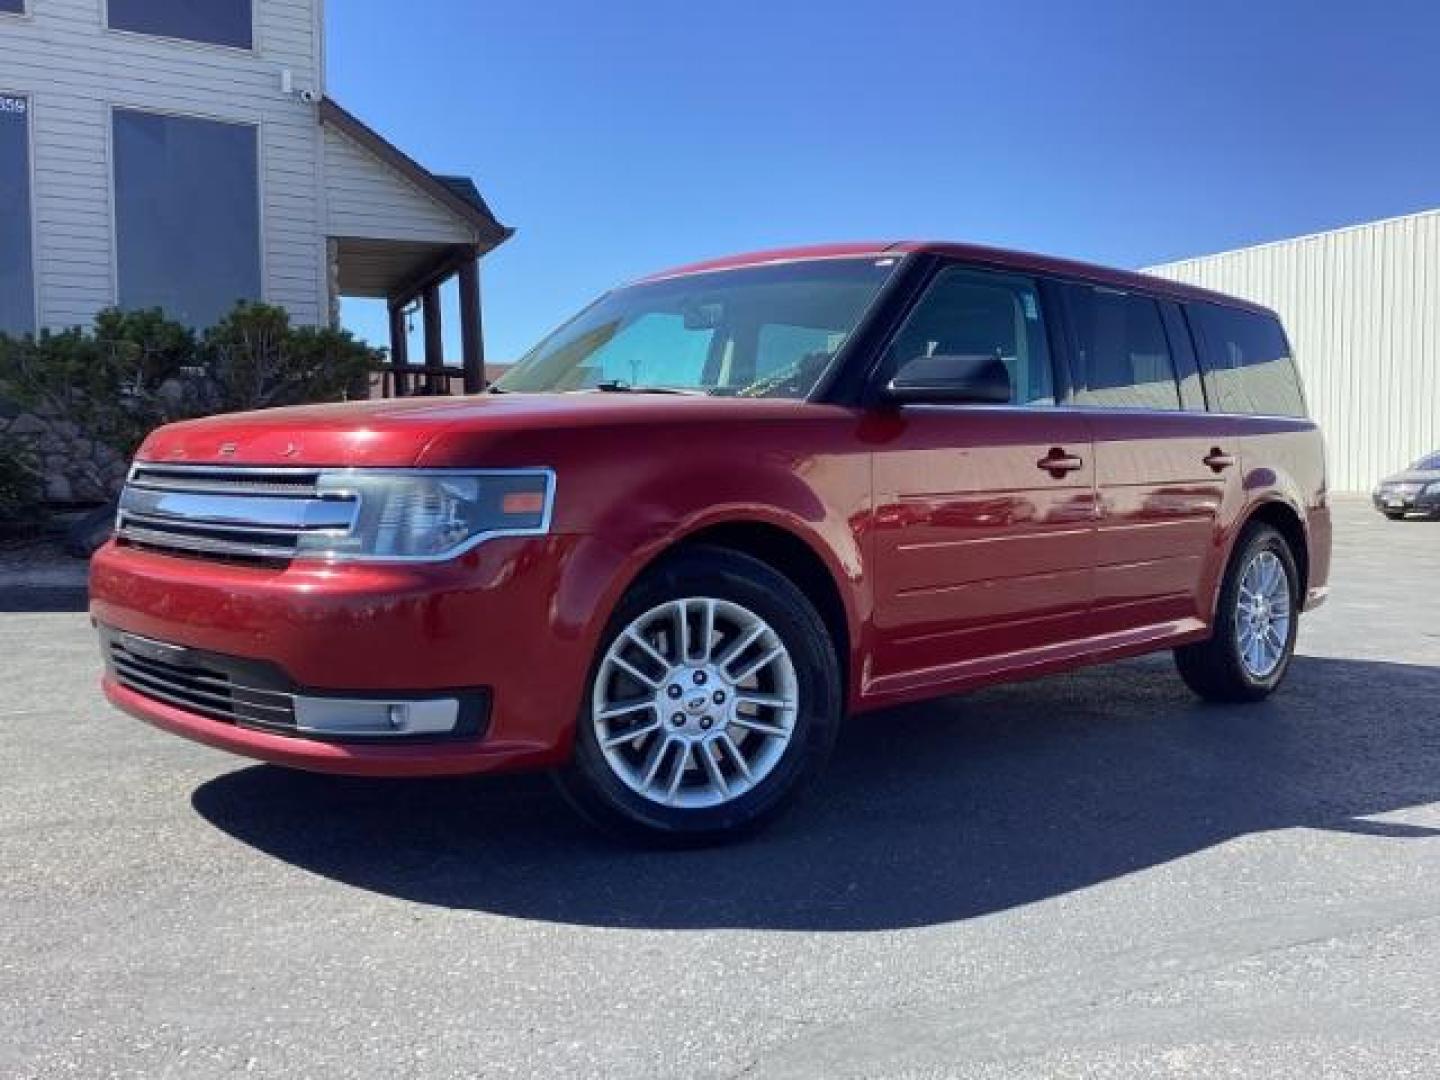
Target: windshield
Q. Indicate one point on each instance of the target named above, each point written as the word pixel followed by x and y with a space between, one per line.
pixel 1427 464
pixel 763 331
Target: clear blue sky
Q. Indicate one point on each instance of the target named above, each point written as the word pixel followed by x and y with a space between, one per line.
pixel 619 138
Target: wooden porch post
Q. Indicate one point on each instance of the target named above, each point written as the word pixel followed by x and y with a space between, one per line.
pixel 434 341
pixel 399 350
pixel 472 332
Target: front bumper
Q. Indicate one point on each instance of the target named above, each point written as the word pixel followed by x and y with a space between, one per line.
pixel 481 631
pixel 1409 502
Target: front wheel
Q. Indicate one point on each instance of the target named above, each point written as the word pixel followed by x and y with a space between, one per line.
pixel 714 700
pixel 1253 640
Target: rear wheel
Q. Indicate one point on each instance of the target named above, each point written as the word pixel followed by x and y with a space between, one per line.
pixel 714 700
pixel 1253 640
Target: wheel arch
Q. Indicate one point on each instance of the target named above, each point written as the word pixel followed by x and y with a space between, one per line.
pixel 785 550
pixel 1287 521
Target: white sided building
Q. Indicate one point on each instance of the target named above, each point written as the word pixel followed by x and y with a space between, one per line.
pixel 183 155
pixel 1362 307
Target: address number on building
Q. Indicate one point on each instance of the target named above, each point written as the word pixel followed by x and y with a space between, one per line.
pixel 17 105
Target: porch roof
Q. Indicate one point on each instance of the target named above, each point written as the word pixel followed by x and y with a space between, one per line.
pixel 396 225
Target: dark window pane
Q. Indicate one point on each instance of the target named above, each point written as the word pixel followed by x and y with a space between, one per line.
pixel 1123 356
pixel 15 6
pixel 217 22
pixel 187 215
pixel 978 313
pixel 17 282
pixel 1249 362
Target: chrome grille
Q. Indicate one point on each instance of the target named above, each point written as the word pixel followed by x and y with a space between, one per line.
pixel 199 689
pixel 228 512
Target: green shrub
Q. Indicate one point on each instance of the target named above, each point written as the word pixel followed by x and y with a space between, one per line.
pixel 255 359
pixel 20 487
pixel 134 371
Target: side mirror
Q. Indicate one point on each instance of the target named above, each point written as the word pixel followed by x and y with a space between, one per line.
pixel 979 379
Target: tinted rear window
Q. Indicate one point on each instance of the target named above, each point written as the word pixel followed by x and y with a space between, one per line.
pixel 1248 362
pixel 1122 356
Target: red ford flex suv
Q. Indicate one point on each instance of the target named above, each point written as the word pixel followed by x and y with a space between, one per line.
pixel 718 510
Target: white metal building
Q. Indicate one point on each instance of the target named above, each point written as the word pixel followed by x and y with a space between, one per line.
pixel 1362 306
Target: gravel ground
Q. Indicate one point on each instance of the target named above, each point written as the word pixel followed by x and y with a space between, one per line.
pixel 1085 876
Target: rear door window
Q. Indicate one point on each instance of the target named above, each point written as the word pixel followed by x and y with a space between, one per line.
pixel 1247 362
pixel 1122 356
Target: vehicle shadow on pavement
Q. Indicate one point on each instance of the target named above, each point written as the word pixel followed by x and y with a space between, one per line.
pixel 928 814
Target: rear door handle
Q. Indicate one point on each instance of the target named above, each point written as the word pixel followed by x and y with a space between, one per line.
pixel 1057 463
pixel 1218 460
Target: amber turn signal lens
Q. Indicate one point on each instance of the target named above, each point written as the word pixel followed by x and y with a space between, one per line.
pixel 523 502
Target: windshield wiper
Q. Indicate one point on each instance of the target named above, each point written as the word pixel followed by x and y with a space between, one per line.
pixel 619 386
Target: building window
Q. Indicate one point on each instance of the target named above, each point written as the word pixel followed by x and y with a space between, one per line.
pixel 12 7
pixel 187 215
pixel 213 22
pixel 17 269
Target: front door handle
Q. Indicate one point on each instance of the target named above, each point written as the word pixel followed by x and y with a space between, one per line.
pixel 1057 463
pixel 1218 460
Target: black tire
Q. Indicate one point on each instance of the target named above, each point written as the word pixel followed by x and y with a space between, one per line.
pixel 1214 668
pixel 603 798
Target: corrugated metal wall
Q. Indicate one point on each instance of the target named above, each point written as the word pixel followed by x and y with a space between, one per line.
pixel 1362 307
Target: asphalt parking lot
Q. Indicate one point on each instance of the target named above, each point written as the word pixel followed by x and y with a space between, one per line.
pixel 1084 876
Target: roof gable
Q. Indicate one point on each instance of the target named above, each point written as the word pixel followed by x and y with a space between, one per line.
pixel 376 190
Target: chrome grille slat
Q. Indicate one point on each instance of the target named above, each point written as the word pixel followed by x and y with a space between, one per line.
pixel 228 512
pixel 202 486
pixel 223 480
pixel 201 545
pixel 157 521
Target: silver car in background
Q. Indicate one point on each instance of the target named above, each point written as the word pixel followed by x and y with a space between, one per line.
pixel 1416 490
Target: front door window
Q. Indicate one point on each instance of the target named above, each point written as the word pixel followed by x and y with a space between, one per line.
pixel 970 312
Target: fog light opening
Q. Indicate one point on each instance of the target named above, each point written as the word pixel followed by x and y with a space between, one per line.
pixel 349 716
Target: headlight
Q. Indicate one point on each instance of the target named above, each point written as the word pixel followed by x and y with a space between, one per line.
pixel 430 514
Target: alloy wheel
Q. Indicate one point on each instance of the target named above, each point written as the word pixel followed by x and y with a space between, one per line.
pixel 1262 615
pixel 695 702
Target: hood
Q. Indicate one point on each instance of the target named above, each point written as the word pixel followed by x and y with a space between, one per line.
pixel 1413 476
pixel 421 431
